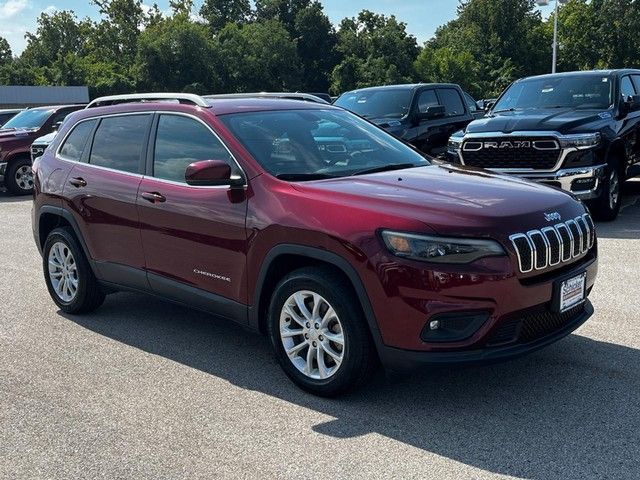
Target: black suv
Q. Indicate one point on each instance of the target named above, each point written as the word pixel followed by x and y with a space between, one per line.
pixel 424 114
pixel 578 131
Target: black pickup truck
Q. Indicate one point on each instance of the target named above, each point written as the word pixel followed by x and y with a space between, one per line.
pixel 579 131
pixel 423 114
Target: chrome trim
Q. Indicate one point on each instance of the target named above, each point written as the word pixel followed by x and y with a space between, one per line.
pixel 555 142
pixel 583 228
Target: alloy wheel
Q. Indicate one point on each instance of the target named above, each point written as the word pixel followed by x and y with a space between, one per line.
pixel 312 335
pixel 24 177
pixel 63 272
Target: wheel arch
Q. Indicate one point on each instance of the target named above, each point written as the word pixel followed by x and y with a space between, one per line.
pixel 284 258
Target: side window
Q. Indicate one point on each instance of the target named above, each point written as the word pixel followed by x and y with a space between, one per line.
pixel 427 99
pixel 452 102
pixel 626 87
pixel 118 142
pixel 75 142
pixel 181 141
pixel 636 81
pixel 471 103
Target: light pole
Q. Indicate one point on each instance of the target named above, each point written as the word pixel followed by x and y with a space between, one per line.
pixel 554 55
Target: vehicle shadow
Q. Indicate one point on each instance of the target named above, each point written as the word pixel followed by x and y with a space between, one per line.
pixel 569 411
pixel 6 197
pixel 627 225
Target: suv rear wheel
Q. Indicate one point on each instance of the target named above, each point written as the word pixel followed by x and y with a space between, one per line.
pixel 19 177
pixel 69 278
pixel 607 206
pixel 318 332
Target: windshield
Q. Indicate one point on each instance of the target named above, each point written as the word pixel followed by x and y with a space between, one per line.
pixel 28 119
pixel 580 91
pixel 386 103
pixel 313 144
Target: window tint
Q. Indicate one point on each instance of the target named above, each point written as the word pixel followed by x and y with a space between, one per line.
pixel 471 103
pixel 118 142
pixel 377 103
pixel 636 81
pixel 626 88
pixel 181 141
pixel 4 117
pixel 427 99
pixel 74 144
pixel 452 102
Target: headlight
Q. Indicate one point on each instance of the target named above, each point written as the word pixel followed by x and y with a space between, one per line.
pixel 581 140
pixel 435 249
pixel 455 141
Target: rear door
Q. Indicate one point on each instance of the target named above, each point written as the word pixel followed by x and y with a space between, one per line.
pixel 194 237
pixel 101 192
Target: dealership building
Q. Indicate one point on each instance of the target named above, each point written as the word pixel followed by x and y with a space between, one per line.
pixel 23 97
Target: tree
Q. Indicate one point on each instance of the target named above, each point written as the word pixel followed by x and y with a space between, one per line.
pixel 116 36
pixel 375 50
pixel 220 12
pixel 176 53
pixel 5 52
pixel 258 56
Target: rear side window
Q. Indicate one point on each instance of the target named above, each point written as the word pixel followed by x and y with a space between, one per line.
pixel 452 102
pixel 626 88
pixel 427 99
pixel 118 142
pixel 181 141
pixel 75 142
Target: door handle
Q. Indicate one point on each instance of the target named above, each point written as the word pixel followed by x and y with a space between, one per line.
pixel 78 182
pixel 153 197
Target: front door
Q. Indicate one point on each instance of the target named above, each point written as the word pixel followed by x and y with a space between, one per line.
pixel 194 237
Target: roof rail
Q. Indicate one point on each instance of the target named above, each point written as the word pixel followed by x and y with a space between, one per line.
pixel 149 97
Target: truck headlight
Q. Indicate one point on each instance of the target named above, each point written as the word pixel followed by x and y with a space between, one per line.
pixel 428 248
pixel 455 142
pixel 580 140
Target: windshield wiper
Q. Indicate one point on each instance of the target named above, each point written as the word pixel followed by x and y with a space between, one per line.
pixel 386 168
pixel 512 109
pixel 294 177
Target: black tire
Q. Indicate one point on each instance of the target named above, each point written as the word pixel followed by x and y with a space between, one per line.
pixel 604 208
pixel 21 167
pixel 89 295
pixel 359 358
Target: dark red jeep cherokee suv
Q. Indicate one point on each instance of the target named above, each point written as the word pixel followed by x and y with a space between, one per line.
pixel 310 224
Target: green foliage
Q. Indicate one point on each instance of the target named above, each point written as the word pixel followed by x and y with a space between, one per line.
pixel 240 45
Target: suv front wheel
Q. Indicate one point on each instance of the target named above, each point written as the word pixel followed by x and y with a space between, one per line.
pixel 318 332
pixel 70 280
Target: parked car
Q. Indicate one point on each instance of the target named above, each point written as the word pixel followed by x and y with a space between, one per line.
pixel 40 144
pixel 307 223
pixel 424 114
pixel 577 131
pixel 16 137
pixel 8 114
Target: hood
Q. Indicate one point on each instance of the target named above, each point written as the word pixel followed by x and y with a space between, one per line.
pixel 46 139
pixel 563 120
pixel 451 200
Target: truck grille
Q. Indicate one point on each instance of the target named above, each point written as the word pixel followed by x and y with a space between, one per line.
pixel 549 246
pixel 507 152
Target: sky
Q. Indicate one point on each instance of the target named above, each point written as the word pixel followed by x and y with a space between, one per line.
pixel 422 17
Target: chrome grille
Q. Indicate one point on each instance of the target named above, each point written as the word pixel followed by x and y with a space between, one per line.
pixel 539 249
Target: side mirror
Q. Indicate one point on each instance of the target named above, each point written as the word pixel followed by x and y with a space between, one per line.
pixel 211 173
pixel 634 103
pixel 56 126
pixel 432 112
pixel 488 106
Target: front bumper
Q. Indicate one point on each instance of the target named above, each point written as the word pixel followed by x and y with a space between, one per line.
pixel 584 182
pixel 3 169
pixel 395 358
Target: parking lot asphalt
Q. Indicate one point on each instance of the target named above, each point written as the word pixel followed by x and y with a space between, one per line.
pixel 147 389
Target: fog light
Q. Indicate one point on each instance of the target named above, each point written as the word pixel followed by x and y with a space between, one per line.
pixel 583 184
pixel 453 326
